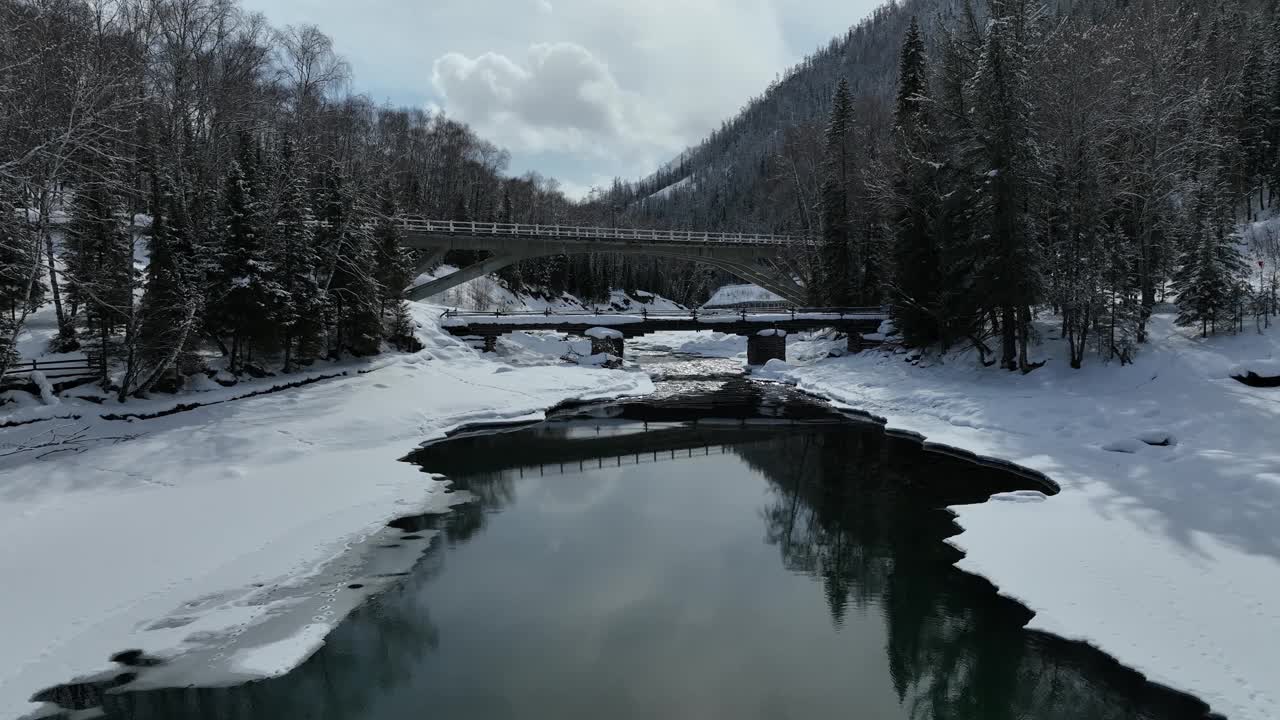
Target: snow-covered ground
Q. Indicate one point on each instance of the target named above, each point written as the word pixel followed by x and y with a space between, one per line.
pixel 237 514
pixel 488 293
pixel 730 295
pixel 1165 556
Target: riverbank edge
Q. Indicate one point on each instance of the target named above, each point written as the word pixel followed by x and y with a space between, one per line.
pixel 1030 552
pixel 72 637
pixel 998 464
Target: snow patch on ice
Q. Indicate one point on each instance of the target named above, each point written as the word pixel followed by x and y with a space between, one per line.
pixel 604 333
pixel 281 656
pixel 1262 368
pixel 1020 496
pixel 1162 438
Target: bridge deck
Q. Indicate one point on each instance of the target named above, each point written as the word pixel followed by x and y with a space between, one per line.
pixel 458 228
pixel 631 325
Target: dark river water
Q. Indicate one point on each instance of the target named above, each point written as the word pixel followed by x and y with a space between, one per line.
pixel 725 549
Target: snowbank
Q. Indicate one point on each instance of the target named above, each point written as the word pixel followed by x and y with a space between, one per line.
pixel 602 333
pixel 178 533
pixel 707 343
pixel 731 295
pixel 1262 368
pixel 1166 557
pixel 771 332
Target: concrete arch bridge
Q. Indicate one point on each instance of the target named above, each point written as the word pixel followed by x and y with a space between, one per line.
pixel 770 261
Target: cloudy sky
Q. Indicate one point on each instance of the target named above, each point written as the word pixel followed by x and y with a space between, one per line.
pixel 579 90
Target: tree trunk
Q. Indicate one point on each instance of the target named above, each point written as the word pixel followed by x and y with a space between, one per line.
pixel 66 333
pixel 1008 339
pixel 1024 332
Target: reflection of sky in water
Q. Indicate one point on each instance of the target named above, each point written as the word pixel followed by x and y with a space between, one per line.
pixel 641 592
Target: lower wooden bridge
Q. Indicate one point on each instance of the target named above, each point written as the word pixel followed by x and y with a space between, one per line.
pixel 766 331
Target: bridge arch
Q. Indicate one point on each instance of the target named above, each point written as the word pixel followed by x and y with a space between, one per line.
pixel 753 258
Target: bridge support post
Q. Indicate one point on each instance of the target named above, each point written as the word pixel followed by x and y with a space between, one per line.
pixel 490 343
pixel 856 343
pixel 605 340
pixel 766 345
pixel 611 346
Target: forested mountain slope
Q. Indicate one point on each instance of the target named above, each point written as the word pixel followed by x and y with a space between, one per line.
pixel 976 165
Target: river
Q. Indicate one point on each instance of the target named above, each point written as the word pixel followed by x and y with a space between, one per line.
pixel 722 549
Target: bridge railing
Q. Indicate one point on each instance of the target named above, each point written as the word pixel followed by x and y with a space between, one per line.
pixel 884 311
pixel 52 369
pixel 471 228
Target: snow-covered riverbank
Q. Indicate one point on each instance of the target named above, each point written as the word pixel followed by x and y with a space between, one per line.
pixel 1166 557
pixel 194 527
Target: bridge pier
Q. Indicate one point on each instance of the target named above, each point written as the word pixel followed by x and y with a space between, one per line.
pixel 490 343
pixel 856 343
pixel 606 340
pixel 766 345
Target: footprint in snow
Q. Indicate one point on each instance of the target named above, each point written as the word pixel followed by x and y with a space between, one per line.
pixel 1020 496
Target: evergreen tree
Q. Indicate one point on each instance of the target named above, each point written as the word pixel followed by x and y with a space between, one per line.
pixel 172 302
pixel 915 207
pixel 1210 267
pixel 353 294
pixel 836 254
pixel 242 291
pixel 393 272
pixel 1271 103
pixel 296 300
pixel 1003 160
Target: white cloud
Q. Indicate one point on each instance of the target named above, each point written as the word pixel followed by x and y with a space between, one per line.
pixel 584 89
pixel 559 98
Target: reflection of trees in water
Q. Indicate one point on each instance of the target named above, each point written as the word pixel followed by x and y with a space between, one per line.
pixel 856 508
pixel 378 648
pixel 375 650
pixel 862 511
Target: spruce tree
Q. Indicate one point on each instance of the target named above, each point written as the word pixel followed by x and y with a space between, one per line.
pixel 296 300
pixel 836 253
pixel 171 301
pixel 915 206
pixel 1003 161
pixel 1210 266
pixel 241 290
pixel 393 272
